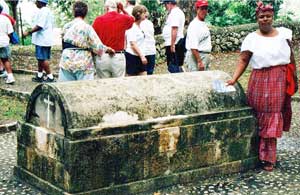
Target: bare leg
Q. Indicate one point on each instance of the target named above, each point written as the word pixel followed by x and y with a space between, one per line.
pixel 44 64
pixel 142 73
pixel 40 65
pixel 7 65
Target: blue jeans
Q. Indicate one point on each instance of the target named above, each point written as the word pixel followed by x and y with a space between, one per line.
pixel 151 64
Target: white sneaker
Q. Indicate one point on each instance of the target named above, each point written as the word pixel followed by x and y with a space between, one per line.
pixel 3 74
pixel 10 80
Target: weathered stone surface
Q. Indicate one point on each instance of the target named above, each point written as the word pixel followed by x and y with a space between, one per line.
pixel 129 135
pixel 87 104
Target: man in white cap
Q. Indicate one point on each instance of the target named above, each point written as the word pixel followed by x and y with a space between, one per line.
pixel 110 28
pixel 42 38
pixel 173 36
pixel 198 40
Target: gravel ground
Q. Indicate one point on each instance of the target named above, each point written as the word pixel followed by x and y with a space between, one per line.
pixel 285 179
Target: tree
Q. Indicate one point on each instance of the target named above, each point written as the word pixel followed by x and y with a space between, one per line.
pixel 65 14
pixel 157 13
pixel 228 12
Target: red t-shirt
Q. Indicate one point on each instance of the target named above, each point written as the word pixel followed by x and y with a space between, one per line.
pixel 111 28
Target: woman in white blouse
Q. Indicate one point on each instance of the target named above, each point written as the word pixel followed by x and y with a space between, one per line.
pixel 149 44
pixel 268 51
pixel 135 37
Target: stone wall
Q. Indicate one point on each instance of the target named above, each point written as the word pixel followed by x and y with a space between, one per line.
pixel 230 38
pixel 223 40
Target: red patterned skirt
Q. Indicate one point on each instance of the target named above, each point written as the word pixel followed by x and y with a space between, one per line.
pixel 267 96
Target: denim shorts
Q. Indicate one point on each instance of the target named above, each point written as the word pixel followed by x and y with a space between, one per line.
pixel 42 53
pixel 5 52
pixel 65 75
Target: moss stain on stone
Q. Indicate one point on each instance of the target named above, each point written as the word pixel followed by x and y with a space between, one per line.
pixel 238 149
pixel 168 139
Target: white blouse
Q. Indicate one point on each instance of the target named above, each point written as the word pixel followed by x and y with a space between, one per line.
pixel 268 51
pixel 135 34
pixel 149 43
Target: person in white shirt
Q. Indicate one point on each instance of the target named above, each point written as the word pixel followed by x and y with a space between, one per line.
pixel 42 38
pixel 5 32
pixel 198 40
pixel 149 44
pixel 270 54
pixel 173 36
pixel 135 37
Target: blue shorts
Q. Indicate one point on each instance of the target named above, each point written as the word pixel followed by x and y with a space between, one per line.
pixel 134 64
pixel 65 75
pixel 5 52
pixel 42 53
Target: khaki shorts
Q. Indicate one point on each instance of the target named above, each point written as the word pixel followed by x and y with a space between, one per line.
pixel 192 64
pixel 110 66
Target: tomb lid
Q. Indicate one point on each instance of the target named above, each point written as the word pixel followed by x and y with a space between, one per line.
pixel 68 105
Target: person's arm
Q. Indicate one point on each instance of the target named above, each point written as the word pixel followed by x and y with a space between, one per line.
pixel 10 36
pixel 241 66
pixel 33 30
pixel 137 50
pixel 292 58
pixel 120 8
pixel 174 32
pixel 196 55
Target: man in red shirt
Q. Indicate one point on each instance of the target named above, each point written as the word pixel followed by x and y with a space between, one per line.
pixel 111 28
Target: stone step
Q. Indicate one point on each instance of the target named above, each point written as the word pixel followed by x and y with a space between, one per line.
pixel 23 86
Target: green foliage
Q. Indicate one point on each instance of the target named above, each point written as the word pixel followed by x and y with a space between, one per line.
pixel 27 40
pixel 157 13
pixel 63 10
pixel 287 17
pixel 232 12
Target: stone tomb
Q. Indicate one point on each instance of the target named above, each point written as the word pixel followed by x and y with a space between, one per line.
pixel 131 135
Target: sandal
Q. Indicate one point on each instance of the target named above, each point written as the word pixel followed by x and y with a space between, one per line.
pixel 268 167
